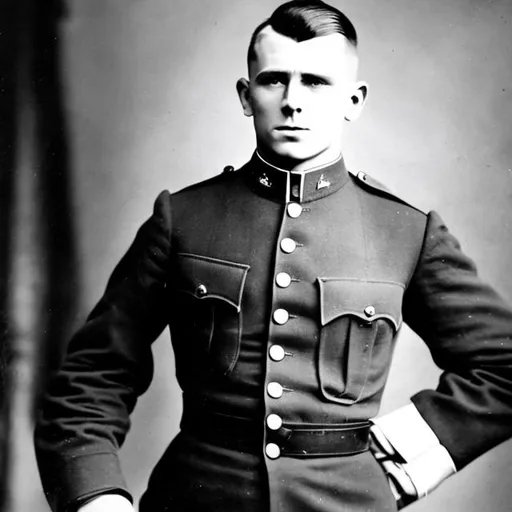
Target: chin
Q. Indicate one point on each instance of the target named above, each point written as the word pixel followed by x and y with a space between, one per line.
pixel 298 155
pixel 294 151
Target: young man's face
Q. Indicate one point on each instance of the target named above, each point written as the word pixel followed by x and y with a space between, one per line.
pixel 300 94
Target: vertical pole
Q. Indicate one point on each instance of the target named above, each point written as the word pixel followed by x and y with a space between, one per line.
pixel 9 65
pixel 38 267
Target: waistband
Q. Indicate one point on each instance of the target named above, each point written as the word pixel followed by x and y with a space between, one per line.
pixel 294 440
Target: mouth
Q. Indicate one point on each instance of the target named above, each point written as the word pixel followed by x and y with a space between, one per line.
pixel 286 128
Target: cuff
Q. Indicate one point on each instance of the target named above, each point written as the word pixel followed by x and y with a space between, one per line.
pixel 84 500
pixel 85 477
pixel 405 435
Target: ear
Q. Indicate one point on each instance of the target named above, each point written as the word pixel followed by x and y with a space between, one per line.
pixel 242 87
pixel 357 101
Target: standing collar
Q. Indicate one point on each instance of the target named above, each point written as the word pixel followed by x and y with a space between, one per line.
pixel 299 186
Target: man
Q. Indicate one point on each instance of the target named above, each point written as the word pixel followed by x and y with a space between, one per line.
pixel 284 285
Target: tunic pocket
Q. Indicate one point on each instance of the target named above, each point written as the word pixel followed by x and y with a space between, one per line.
pixel 359 321
pixel 206 316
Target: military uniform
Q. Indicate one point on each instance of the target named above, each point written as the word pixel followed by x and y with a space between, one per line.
pixel 284 293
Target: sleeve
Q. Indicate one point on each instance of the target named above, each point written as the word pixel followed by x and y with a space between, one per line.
pixel 468 329
pixel 84 416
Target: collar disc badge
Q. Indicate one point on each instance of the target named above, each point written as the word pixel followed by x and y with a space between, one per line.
pixel 322 183
pixel 263 179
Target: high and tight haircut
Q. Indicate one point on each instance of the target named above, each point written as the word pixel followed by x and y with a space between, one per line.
pixel 302 20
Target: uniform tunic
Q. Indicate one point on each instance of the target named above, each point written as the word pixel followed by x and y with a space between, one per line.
pixel 284 293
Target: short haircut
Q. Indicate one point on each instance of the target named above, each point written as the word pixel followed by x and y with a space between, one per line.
pixel 305 19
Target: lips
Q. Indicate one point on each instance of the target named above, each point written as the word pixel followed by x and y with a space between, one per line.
pixel 290 128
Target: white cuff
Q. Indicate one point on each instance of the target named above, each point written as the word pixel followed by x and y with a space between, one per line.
pixel 406 433
pixel 430 469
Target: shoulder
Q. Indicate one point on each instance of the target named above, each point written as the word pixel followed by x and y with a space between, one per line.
pixel 388 215
pixel 225 179
pixel 375 188
pixel 208 197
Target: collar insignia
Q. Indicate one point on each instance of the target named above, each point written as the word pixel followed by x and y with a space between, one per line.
pixel 265 181
pixel 322 183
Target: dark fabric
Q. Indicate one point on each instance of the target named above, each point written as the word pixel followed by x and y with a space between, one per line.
pixel 468 328
pixel 85 414
pixel 361 260
pixel 200 475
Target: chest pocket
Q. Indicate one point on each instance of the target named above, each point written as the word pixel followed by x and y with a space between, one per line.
pixel 206 316
pixel 359 320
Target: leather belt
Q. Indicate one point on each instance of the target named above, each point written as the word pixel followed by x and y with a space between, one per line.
pixel 294 440
pixel 324 441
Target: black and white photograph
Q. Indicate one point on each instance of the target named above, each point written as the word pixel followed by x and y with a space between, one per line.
pixel 255 256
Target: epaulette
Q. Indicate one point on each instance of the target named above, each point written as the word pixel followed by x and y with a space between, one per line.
pixel 368 182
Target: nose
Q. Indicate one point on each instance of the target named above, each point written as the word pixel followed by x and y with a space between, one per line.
pixel 292 99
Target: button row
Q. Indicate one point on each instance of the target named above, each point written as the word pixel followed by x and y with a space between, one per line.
pixel 276 352
pixel 274 422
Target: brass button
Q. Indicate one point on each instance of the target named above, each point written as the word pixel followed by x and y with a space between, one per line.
pixel 369 311
pixel 295 191
pixel 288 245
pixel 228 168
pixel 276 353
pixel 281 316
pixel 274 389
pixel 361 175
pixel 283 280
pixel 274 422
pixel 294 210
pixel 272 450
pixel 201 290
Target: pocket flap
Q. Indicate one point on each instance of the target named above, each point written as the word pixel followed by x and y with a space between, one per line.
pixel 211 278
pixel 368 300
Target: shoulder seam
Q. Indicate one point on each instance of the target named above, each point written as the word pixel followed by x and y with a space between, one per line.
pixel 366 181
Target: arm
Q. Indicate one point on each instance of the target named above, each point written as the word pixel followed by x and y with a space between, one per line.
pixel 468 329
pixel 84 416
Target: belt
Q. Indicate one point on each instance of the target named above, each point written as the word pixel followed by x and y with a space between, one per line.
pixel 294 440
pixel 321 441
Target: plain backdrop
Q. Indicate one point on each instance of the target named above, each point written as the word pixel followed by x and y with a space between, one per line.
pixel 150 89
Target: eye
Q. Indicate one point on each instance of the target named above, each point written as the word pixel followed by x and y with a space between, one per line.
pixel 271 80
pixel 313 81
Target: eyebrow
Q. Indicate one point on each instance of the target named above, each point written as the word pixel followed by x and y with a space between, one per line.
pixel 282 74
pixel 272 73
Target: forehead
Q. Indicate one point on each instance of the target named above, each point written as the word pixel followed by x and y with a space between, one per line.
pixel 330 54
